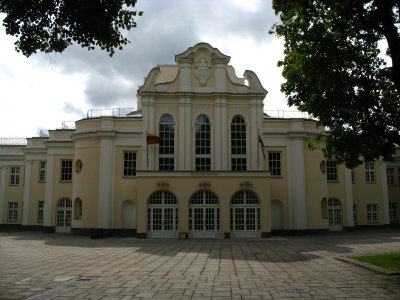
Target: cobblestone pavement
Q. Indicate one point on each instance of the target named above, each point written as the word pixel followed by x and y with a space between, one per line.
pixel 70 267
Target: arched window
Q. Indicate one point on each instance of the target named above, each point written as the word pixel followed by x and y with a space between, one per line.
pixel 245 214
pixel 166 152
pixel 162 215
pixel 238 144
pixel 204 219
pixel 202 144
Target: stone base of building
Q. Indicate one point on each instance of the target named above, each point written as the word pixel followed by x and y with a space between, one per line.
pixel 11 226
pixel 299 232
pixel 32 227
pixel 48 229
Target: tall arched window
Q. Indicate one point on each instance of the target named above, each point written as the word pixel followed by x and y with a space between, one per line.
pixel 203 144
pixel 238 144
pixel 166 150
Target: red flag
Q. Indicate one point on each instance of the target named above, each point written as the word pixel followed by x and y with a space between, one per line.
pixel 153 139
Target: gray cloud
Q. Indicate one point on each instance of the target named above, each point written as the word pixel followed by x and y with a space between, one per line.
pixel 166 29
pixel 71 109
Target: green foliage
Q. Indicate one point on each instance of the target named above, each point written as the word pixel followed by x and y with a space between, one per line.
pixel 53 25
pixel 389 261
pixel 333 71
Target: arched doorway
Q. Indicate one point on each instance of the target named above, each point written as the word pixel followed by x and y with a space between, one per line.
pixel 245 215
pixel 335 214
pixel 276 215
pixel 162 215
pixel 128 215
pixel 204 215
pixel 63 215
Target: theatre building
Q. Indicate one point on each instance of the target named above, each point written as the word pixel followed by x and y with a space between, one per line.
pixel 225 167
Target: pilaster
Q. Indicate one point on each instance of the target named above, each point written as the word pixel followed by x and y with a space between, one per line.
pixel 297 184
pixel 188 136
pixel 27 193
pixel 185 68
pixel 385 194
pixel 349 198
pixel 106 197
pixel 220 77
pixel 218 135
pixel 181 134
pixel 3 175
pixel 254 155
pixel 48 197
pixel 224 135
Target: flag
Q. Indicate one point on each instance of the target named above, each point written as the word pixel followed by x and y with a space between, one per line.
pixel 153 139
pixel 262 144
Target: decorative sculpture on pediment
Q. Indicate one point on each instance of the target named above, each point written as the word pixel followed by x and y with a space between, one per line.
pixel 203 71
pixel 162 184
pixel 246 184
pixel 204 184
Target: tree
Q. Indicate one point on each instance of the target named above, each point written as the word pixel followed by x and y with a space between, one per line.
pixel 333 70
pixel 53 25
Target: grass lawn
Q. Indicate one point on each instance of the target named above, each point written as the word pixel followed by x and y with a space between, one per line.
pixel 389 261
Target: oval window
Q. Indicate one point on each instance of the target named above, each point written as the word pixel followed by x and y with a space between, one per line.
pixel 78 166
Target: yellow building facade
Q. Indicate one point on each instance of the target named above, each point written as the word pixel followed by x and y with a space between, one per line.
pixel 225 168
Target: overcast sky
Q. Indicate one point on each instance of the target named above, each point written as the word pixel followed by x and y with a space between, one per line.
pixel 39 93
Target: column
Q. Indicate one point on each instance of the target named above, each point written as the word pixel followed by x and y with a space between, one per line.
pixel 385 194
pixel 105 183
pixel 3 175
pixel 48 197
pixel 27 193
pixel 298 184
pixel 349 198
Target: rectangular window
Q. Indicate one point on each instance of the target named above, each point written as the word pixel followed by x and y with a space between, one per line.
pixel 274 163
pixel 40 211
pixel 355 214
pixel 129 164
pixel 42 171
pixel 14 175
pixel 353 176
pixel 372 213
pixel 390 176
pixel 369 172
pixel 393 212
pixel 12 211
pixel 331 171
pixel 66 171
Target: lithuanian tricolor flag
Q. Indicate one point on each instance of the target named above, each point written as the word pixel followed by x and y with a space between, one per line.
pixel 153 139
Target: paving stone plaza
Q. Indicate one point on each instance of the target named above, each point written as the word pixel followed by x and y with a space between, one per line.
pixel 34 265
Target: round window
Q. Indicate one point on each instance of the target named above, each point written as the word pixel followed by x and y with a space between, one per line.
pixel 78 166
